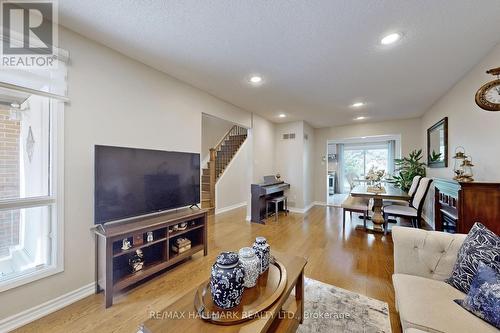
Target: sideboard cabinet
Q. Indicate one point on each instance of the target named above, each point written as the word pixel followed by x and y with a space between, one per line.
pixel 457 206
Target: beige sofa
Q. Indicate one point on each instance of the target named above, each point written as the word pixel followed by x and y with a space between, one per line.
pixel 422 261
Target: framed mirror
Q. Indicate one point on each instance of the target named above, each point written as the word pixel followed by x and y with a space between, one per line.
pixel 437 144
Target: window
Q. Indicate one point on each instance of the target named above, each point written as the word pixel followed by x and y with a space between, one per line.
pixel 30 188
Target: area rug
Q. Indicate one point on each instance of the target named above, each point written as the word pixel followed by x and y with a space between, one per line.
pixel 329 309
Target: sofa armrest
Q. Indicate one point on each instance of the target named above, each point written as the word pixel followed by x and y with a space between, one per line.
pixel 429 254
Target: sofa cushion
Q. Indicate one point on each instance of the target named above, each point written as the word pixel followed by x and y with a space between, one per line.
pixel 429 305
pixel 483 299
pixel 430 254
pixel 480 245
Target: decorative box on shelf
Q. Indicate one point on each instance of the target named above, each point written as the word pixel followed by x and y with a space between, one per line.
pixel 181 245
pixel 138 239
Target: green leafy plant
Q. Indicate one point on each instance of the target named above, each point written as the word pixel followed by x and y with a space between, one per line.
pixel 434 157
pixel 407 168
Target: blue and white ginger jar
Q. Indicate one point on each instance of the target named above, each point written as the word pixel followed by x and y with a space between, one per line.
pixel 226 280
pixel 263 251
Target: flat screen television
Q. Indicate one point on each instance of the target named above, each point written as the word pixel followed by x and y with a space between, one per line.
pixel 131 182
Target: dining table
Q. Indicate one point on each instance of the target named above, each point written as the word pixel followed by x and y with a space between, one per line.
pixel 386 192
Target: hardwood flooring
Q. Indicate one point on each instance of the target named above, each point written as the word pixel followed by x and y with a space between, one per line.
pixel 350 259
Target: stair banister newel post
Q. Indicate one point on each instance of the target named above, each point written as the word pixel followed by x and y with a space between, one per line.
pixel 212 166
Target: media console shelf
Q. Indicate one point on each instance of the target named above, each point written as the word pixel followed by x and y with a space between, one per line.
pixel 113 272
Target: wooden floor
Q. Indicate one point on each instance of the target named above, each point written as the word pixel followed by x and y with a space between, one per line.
pixel 350 259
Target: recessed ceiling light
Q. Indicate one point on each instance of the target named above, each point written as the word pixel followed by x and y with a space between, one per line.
pixel 391 38
pixel 15 105
pixel 255 79
pixel 282 115
pixel 357 104
pixel 360 118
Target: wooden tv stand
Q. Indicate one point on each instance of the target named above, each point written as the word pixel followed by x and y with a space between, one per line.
pixel 113 272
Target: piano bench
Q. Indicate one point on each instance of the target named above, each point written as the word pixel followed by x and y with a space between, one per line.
pixel 276 201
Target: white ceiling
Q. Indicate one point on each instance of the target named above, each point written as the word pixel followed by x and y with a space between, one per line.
pixel 317 57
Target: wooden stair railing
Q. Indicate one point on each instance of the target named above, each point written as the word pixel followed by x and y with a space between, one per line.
pixel 220 157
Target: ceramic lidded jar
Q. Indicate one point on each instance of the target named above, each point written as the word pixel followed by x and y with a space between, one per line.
pixel 251 266
pixel 263 251
pixel 226 280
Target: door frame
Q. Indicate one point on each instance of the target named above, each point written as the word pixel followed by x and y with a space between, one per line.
pixel 359 139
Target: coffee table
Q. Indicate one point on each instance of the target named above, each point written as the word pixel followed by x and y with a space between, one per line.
pixel 284 315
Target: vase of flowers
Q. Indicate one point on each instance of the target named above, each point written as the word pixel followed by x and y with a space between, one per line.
pixel 374 176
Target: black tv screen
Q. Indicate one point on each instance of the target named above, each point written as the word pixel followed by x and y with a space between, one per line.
pixel 131 182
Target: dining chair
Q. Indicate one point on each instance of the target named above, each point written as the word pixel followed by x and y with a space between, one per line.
pixel 411 193
pixel 414 210
pixel 355 205
pixel 351 176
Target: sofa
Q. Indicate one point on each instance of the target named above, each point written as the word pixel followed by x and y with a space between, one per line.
pixel 422 261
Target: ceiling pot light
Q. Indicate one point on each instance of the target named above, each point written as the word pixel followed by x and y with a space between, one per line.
pixel 390 39
pixel 255 79
pixel 357 104
pixel 282 115
pixel 360 118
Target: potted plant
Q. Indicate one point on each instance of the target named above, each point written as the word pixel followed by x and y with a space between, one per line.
pixel 407 168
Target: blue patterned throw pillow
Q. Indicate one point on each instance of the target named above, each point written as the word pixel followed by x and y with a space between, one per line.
pixel 483 299
pixel 480 245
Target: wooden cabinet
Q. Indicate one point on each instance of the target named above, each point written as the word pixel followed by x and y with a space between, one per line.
pixel 113 272
pixel 457 206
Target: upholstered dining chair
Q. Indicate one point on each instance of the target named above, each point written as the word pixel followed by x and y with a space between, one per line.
pixel 411 193
pixel 414 210
pixel 355 205
pixel 351 176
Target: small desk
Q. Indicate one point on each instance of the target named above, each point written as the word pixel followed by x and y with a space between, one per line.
pixel 284 316
pixel 391 192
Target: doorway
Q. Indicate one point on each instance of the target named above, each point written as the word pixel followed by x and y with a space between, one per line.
pixel 349 160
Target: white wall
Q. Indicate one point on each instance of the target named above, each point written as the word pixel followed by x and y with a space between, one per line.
pixel 289 160
pixel 409 129
pixel 468 125
pixel 115 101
pixel 233 186
pixel 261 139
pixel 308 157
pixel 264 147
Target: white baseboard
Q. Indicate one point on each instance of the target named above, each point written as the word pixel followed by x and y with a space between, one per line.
pixel 39 311
pixel 228 208
pixel 302 210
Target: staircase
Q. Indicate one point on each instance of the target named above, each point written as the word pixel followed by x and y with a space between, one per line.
pixel 220 157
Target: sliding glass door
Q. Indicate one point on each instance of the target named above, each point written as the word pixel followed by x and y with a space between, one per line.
pixel 358 158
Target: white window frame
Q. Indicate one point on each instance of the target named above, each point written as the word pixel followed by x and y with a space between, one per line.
pixel 55 202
